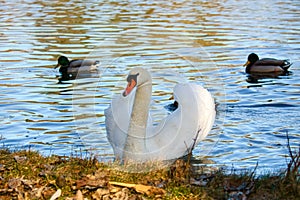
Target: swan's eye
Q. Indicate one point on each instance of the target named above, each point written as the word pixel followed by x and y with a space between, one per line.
pixel 132 77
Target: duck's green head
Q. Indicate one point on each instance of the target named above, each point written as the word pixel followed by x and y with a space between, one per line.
pixel 252 58
pixel 62 61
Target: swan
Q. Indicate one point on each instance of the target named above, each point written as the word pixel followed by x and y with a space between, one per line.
pixel 129 125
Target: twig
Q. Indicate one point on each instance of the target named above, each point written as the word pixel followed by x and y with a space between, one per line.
pixel 249 182
pixel 189 155
pixel 289 147
pixel 192 148
pixel 294 164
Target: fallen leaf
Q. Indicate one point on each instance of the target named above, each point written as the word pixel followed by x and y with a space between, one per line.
pixel 14 183
pixel 143 189
pixel 79 195
pixel 38 191
pixel 2 168
pixel 94 183
pixel 56 194
pixel 100 193
pixel 20 159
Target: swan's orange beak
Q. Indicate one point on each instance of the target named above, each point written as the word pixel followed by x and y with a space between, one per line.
pixel 131 84
pixel 247 63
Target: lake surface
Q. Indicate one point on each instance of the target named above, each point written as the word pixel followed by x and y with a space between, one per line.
pixel 202 41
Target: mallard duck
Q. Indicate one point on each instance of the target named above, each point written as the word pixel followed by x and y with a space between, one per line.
pixel 74 66
pixel 266 65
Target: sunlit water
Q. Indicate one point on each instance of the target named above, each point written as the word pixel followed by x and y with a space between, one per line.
pixel 202 41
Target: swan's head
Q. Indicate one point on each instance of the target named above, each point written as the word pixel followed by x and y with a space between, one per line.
pixel 136 78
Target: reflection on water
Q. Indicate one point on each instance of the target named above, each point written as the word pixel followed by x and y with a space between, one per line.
pixel 203 41
pixel 265 77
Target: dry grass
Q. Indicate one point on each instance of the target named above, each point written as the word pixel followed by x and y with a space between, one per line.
pixel 28 175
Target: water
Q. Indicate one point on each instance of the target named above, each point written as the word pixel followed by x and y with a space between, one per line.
pixel 202 41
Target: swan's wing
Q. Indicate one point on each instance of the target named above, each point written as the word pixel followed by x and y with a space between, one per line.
pixel 117 117
pixel 188 125
pixel 197 115
pixel 114 134
pixel 206 111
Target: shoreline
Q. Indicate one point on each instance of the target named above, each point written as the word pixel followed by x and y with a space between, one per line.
pixel 26 174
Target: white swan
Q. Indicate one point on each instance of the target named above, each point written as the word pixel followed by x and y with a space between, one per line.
pixel 130 130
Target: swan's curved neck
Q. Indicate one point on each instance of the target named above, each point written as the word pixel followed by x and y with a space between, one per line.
pixel 135 141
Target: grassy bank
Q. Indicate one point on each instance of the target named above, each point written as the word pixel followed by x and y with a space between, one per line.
pixel 28 175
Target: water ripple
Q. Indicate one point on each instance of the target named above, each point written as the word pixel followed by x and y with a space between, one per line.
pixel 200 41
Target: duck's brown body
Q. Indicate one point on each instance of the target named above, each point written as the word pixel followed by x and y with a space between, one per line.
pixel 73 66
pixel 266 65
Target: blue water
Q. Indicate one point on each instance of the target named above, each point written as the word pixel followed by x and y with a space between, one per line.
pixel 202 41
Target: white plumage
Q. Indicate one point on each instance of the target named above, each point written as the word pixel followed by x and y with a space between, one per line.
pixel 130 130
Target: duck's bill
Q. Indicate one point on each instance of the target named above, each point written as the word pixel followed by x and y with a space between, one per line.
pixel 247 63
pixel 57 66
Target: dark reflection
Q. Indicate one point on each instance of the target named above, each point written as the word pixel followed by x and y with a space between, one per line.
pixel 273 105
pixel 260 77
pixel 76 75
pixel 66 77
